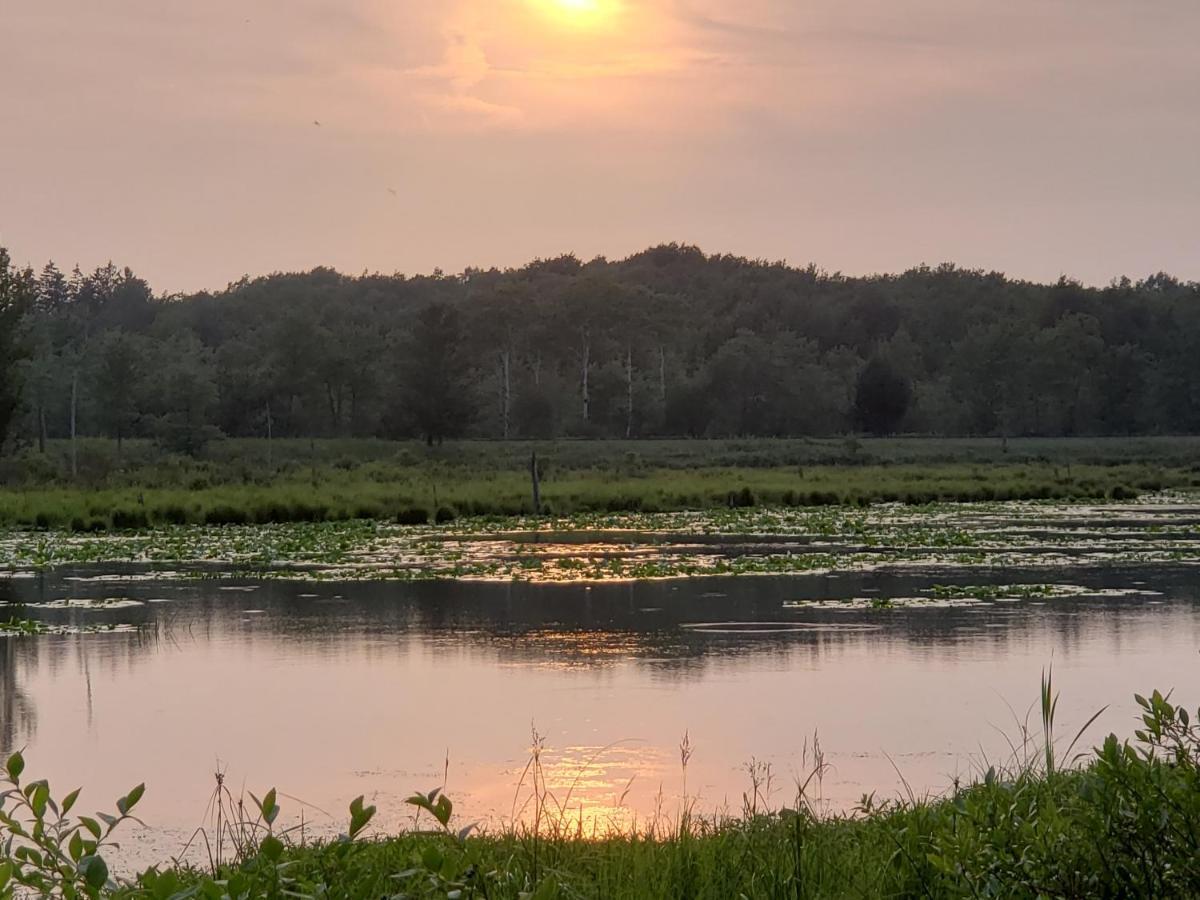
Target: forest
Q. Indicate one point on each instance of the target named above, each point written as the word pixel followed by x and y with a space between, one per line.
pixel 669 342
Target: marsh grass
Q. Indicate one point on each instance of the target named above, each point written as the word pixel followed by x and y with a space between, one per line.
pixel 239 482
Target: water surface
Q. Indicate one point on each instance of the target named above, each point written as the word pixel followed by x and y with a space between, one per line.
pixel 331 690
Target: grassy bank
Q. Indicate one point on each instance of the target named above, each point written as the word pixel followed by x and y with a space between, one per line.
pixel 241 482
pixel 1124 822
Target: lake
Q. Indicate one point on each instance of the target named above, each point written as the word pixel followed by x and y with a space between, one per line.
pixel 327 690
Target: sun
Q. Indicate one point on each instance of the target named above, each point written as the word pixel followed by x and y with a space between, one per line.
pixel 578 13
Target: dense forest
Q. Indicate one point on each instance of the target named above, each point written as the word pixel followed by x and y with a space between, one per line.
pixel 669 342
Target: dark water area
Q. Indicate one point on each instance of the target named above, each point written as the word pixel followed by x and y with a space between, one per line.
pixel 331 690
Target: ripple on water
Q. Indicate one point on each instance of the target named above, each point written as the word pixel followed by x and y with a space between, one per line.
pixel 751 628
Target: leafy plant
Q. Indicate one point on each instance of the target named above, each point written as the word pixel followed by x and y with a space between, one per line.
pixel 43 849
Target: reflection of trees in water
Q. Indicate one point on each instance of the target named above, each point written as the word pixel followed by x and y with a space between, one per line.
pixel 605 625
pixel 18 718
pixel 21 658
pixel 644 623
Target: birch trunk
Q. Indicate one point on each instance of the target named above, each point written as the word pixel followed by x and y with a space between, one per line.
pixel 662 374
pixel 270 434
pixel 587 397
pixel 505 391
pixel 628 392
pixel 74 408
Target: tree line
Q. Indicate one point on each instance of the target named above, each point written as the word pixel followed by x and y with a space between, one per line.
pixel 669 342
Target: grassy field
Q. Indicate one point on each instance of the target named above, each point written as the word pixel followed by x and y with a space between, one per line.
pixel 253 481
pixel 1124 823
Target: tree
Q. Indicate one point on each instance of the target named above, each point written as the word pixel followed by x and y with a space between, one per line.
pixel 185 396
pixel 16 295
pixel 116 383
pixel 670 341
pixel 434 376
pixel 882 397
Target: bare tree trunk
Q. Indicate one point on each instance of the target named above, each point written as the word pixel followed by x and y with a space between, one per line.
pixel 587 397
pixel 506 390
pixel 41 428
pixel 662 374
pixel 74 407
pixel 629 391
pixel 270 434
pixel 333 409
pixel 537 370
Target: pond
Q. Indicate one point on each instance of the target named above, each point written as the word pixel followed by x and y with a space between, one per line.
pixel 899 679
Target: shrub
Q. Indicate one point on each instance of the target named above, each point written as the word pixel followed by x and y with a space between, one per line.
pixel 128 519
pixel 226 515
pixel 413 515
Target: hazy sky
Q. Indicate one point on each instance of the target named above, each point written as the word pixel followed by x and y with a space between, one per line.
pixel 1040 137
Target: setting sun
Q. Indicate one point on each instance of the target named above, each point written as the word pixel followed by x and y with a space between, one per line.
pixel 577 12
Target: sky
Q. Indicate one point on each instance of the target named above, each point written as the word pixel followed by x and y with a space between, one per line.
pixel 200 141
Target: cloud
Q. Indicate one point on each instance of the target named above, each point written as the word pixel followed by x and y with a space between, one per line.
pixel 464 65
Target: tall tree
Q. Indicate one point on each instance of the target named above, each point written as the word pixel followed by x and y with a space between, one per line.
pixel 882 397
pixel 16 297
pixel 185 396
pixel 434 372
pixel 117 366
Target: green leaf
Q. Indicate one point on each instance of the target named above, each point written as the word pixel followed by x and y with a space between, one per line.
pixel 75 847
pixel 41 796
pixel 91 825
pixel 432 859
pixel 270 809
pixel 94 871
pixel 129 801
pixel 442 810
pixel 15 766
pixel 360 816
pixel 69 801
pixel 271 848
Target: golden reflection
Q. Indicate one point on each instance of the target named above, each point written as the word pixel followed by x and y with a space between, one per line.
pixel 594 791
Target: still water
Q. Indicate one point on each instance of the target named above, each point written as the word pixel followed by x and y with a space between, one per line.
pixel 329 690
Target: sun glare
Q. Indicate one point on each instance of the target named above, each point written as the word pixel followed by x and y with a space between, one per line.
pixel 578 13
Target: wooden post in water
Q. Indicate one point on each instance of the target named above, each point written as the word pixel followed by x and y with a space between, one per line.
pixel 537 484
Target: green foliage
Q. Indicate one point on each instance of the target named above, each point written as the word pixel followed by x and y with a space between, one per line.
pixel 16 295
pixel 46 852
pixel 434 377
pixel 882 397
pixel 667 342
pixel 251 482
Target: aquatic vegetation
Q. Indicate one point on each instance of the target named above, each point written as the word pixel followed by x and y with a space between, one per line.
pixel 624 546
pixel 15 627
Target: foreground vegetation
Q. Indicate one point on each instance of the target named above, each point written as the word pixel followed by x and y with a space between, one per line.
pixel 258 481
pixel 1122 822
